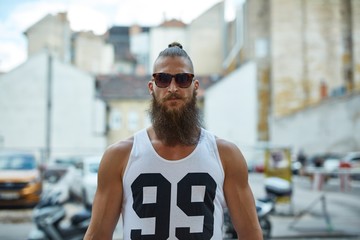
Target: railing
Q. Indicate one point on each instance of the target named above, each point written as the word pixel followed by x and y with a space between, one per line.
pixel 320 175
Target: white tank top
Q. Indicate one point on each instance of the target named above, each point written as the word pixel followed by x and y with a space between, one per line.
pixel 181 199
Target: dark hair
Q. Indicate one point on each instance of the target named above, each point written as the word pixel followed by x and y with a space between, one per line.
pixel 175 49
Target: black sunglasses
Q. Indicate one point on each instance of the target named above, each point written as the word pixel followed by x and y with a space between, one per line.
pixel 183 80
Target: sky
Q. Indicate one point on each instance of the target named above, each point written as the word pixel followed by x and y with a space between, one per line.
pixel 16 16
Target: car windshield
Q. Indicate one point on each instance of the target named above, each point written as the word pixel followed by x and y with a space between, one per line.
pixel 17 162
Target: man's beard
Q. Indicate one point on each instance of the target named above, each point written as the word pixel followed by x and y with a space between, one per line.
pixel 176 126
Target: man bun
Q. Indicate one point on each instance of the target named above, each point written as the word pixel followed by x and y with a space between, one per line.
pixel 175 44
pixel 175 49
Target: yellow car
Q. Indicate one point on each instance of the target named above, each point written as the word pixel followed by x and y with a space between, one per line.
pixel 20 180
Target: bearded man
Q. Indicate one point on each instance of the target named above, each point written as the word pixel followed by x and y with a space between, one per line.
pixel 174 179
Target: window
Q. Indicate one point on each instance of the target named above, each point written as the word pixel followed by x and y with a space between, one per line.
pixel 115 120
pixel 133 121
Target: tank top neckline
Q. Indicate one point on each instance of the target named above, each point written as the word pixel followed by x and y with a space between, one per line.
pixel 149 144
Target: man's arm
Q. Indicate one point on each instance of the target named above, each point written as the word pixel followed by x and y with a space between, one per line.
pixel 238 195
pixel 107 203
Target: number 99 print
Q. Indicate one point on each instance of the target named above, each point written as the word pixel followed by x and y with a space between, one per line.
pixel 160 207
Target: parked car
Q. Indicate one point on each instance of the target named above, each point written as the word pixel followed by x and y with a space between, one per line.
pixel 327 163
pixel 57 167
pixel 296 167
pixel 89 179
pixel 20 179
pixel 331 165
pixel 351 160
pixel 256 166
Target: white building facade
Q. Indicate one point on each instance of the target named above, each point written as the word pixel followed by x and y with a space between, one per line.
pixel 51 108
pixel 230 109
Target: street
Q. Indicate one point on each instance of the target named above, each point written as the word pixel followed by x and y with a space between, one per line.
pixel 307 221
pixel 316 214
pixel 15 224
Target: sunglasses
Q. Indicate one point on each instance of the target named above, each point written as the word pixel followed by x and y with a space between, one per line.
pixel 183 80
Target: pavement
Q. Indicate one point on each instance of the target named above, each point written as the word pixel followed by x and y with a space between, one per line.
pixel 331 212
pixel 328 213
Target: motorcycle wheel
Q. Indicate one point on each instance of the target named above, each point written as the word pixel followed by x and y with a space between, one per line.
pixel 266 228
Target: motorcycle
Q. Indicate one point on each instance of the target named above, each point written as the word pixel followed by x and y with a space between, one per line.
pixel 263 209
pixel 49 217
pixel 276 187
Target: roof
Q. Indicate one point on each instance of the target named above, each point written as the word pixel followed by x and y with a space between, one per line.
pixel 123 86
pixel 173 23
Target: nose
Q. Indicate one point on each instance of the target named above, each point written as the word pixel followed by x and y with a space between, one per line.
pixel 172 87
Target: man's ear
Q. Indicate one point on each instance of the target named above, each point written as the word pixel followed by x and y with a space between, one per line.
pixel 151 87
pixel 196 84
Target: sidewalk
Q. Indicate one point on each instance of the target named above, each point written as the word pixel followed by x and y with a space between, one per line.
pixel 308 219
pixel 326 214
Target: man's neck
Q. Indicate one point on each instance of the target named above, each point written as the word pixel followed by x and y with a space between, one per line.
pixel 170 152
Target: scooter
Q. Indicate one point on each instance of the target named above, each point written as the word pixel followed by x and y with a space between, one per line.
pixel 49 218
pixel 263 208
pixel 276 187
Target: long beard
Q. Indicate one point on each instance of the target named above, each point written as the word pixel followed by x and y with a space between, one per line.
pixel 178 126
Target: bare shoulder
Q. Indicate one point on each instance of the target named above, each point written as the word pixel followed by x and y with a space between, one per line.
pixel 116 156
pixel 231 156
pixel 227 146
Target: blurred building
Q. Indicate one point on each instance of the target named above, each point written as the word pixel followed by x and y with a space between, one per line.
pixel 206 41
pixel 230 109
pixel 140 48
pixel 305 50
pixel 50 107
pixel 85 50
pixel 52 32
pixel 127 99
pixel 119 38
pixel 306 56
pixel 90 53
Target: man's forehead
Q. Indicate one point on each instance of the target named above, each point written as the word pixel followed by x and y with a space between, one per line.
pixel 172 62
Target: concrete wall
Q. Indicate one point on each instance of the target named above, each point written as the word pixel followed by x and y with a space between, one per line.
pixel 314 46
pixel 257 29
pixel 355 7
pixel 74 112
pixel 23 111
pixel 230 108
pixel 332 126
pixel 22 105
pixel 207 42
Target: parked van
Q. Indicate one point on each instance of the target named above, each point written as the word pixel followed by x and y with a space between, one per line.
pixel 20 179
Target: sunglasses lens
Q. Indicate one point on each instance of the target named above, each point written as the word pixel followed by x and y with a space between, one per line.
pixel 162 80
pixel 183 80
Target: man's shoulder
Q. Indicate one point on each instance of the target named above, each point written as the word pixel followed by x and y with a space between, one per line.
pixel 121 146
pixel 228 149
pixel 117 154
pixel 225 144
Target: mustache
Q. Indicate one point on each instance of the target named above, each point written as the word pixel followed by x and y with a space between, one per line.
pixel 172 96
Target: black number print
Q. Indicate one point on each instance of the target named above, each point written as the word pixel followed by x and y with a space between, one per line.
pixel 205 208
pixel 160 209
